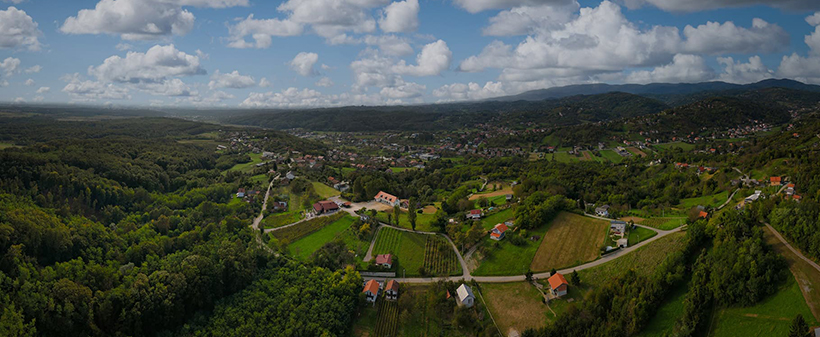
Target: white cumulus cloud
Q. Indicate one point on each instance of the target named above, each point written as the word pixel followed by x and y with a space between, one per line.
pixel 400 16
pixel 303 64
pixel 156 64
pixel 433 59
pixel 18 29
pixel 739 72
pixel 717 38
pixel 683 69
pixel 231 80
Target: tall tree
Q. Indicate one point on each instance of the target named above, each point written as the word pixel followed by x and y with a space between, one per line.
pixel 799 327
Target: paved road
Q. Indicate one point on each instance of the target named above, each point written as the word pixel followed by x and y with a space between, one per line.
pixel 728 200
pixel 795 251
pixel 516 278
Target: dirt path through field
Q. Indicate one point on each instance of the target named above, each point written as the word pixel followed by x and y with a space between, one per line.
pixel 491 194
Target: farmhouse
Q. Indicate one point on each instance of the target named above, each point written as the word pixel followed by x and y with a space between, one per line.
pixel 240 193
pixel 617 227
pixel 279 206
pixel 391 290
pixel 776 181
pixel 474 214
pixel 558 285
pixel 499 231
pixel 465 296
pixel 371 291
pixel 386 198
pixel 602 211
pixel 384 260
pixel 325 207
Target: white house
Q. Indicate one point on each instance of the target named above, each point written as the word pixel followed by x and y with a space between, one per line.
pixel 465 296
pixel 391 290
pixel 623 242
pixel 290 175
pixel 387 198
pixel 371 291
pixel 474 214
pixel 602 211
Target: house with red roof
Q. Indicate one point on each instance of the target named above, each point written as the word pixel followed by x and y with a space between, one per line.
pixel 387 198
pixel 474 214
pixel 384 260
pixel 499 231
pixel 391 290
pixel 703 214
pixel 325 207
pixel 558 285
pixel 776 181
pixel 371 291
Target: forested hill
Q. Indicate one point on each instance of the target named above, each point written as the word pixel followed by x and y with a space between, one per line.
pixel 565 111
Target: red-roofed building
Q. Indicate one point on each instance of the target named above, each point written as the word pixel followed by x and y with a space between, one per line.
pixel 387 198
pixel 499 231
pixel 325 207
pixel 776 181
pixel 371 291
pixel 391 290
pixel 474 214
pixel 703 214
pixel 558 285
pixel 796 197
pixel 384 260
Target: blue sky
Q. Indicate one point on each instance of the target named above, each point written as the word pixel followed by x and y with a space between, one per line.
pixel 306 53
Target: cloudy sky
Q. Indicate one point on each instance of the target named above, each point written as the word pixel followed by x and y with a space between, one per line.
pixel 303 53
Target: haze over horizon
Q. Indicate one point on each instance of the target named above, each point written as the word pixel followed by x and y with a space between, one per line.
pixel 320 53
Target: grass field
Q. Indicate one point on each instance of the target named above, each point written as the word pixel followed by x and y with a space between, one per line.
pixel 497 218
pixel 640 234
pixel 709 201
pixel 562 157
pixel 571 240
pixel 293 233
pixel 6 145
pixel 423 220
pixel 668 223
pixel 515 305
pixel 664 320
pixel 807 277
pixel 304 247
pixel 509 259
pixel 409 248
pixel 643 261
pixel 256 158
pixel 280 219
pixel 259 178
pixel 323 190
pixel 612 156
pixel 770 317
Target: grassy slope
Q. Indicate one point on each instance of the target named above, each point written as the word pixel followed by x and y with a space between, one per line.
pixel 423 221
pixel 256 158
pixel 515 305
pixel 408 248
pixel 497 218
pixel 304 247
pixel 612 156
pixel 664 320
pixel 640 234
pixel 509 259
pixel 771 317
pixel 571 240
pixel 643 261
pixel 323 190
pixel 709 200
pixel 807 277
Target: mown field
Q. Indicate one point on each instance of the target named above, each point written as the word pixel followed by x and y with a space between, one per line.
pixel 714 200
pixel 611 156
pixel 323 190
pixel 806 276
pixel 668 223
pixel 497 218
pixel 640 234
pixel 277 220
pixel 516 305
pixel 256 158
pixel 572 239
pixel 664 320
pixel 423 220
pixel 770 317
pixel 509 259
pixel 643 260
pixel 295 232
pixel 409 248
pixel 304 247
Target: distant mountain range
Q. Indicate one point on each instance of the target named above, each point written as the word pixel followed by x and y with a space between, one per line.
pixel 667 92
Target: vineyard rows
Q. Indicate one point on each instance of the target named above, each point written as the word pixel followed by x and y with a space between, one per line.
pixel 388 323
pixel 439 257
